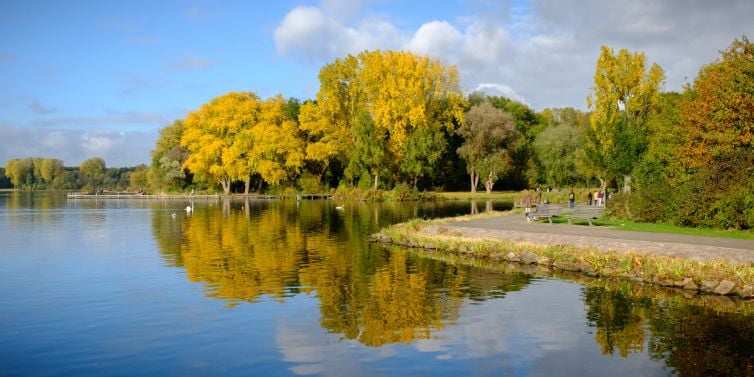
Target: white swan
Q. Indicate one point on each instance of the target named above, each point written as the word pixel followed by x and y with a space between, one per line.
pixel 189 209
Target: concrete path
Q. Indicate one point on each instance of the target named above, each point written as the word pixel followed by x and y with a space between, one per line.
pixel 515 228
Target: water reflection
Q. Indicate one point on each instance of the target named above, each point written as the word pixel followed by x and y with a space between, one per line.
pixel 693 340
pixel 259 250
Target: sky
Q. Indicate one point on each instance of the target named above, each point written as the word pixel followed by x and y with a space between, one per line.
pixel 80 79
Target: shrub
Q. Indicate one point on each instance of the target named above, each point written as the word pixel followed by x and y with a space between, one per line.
pixel 310 184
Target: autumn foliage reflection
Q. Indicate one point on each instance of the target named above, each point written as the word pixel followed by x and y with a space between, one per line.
pixel 256 250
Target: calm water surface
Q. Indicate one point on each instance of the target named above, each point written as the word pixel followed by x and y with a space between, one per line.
pixel 279 288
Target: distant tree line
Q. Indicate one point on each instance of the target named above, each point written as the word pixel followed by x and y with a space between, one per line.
pixel 39 173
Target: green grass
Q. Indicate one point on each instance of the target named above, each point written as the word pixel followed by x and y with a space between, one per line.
pixel 629 225
pixel 633 226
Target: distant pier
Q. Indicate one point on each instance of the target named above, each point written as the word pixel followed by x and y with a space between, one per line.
pixel 136 196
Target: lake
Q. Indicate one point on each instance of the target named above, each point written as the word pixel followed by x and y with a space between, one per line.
pixel 282 288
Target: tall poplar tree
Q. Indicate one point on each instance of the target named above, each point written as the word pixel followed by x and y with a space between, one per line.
pixel 623 96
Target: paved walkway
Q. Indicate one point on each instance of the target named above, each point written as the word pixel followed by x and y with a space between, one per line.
pixel 515 228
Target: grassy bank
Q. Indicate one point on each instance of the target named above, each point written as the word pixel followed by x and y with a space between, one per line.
pixel 717 277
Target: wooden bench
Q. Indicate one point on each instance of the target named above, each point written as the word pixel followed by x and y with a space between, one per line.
pixel 586 212
pixel 546 211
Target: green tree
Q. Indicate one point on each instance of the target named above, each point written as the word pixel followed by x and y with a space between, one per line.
pixel 166 172
pixel 622 99
pixel 488 132
pixel 92 172
pixel 555 150
pixel 369 151
pixel 138 179
pixel 529 124
pixel 4 180
pixel 424 148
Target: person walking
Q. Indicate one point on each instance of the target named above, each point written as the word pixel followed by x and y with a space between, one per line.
pixel 571 199
pixel 527 205
pixel 589 198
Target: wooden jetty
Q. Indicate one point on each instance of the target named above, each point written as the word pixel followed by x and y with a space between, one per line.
pixel 136 196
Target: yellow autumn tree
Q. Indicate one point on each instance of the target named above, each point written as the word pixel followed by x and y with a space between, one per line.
pixel 217 137
pixel 278 151
pixel 401 92
pixel 406 92
pixel 327 122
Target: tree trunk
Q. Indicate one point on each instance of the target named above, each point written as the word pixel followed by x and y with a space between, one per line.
pixel 474 180
pixel 247 185
pixel 626 183
pixel 488 183
pixel 376 181
pixel 225 182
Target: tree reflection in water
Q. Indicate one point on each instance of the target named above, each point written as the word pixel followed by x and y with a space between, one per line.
pixel 270 250
pixel 693 340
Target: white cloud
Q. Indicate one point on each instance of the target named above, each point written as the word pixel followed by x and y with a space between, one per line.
pixel 436 38
pixel 544 53
pixel 100 141
pixel 309 32
pixel 501 90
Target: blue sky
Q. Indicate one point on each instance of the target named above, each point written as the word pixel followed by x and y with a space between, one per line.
pixel 99 78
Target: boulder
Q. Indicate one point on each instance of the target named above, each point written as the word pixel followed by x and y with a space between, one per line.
pixel 688 284
pixel 746 291
pixel 527 257
pixel 708 286
pixel 565 266
pixel 544 261
pixel 512 257
pixel 586 268
pixel 725 288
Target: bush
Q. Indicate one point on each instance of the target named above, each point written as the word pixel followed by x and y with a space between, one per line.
pixel 653 199
pixel 720 195
pixel 309 183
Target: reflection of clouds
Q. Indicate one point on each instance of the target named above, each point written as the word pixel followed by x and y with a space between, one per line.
pixel 521 321
pixel 538 331
pixel 316 352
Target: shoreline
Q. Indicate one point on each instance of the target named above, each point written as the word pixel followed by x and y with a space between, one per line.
pixel 683 266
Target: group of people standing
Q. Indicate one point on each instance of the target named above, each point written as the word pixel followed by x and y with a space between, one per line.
pixel 597 199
